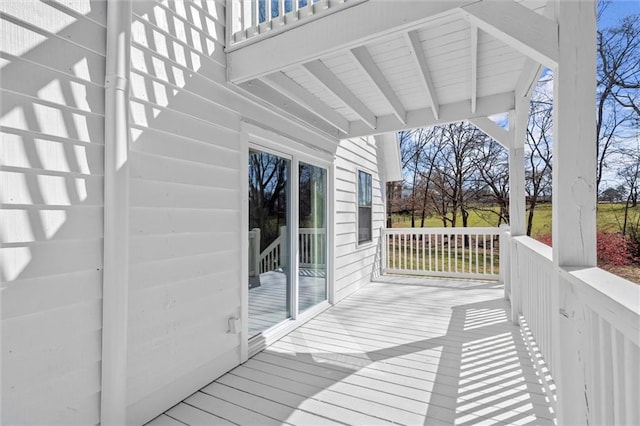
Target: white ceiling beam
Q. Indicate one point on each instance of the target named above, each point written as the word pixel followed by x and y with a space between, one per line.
pixel 346 29
pixel 334 85
pixel 517 26
pixel 488 126
pixel 474 67
pixel 532 70
pixel 273 97
pixel 528 78
pixel 421 59
pixel 449 113
pixel 368 65
pixel 280 81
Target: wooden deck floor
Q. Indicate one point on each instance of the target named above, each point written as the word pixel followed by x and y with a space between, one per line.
pixel 402 350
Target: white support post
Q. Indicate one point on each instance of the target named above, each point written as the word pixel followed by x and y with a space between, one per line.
pixel 518 121
pixel 115 286
pixel 574 192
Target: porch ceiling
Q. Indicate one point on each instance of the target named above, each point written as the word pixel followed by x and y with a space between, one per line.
pixel 383 66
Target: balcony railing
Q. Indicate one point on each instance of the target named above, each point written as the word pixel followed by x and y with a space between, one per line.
pixel 586 323
pixel 247 19
pixel 312 244
pixel 446 252
pixel 582 324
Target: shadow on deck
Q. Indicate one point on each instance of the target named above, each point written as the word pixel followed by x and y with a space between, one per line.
pixel 402 350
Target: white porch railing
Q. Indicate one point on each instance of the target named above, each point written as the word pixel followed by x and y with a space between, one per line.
pixel 312 247
pixel 249 18
pixel 271 258
pixel 447 252
pixel 312 244
pixel 586 324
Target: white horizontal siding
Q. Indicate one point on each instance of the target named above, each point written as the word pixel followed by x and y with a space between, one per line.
pixel 354 263
pixel 185 204
pixel 185 198
pixel 51 190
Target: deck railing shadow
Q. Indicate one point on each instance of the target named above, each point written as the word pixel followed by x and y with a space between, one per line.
pixel 478 370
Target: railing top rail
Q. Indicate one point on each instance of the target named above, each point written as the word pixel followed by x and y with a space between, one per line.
pixel 444 231
pixel 612 297
pixel 312 230
pixel 535 246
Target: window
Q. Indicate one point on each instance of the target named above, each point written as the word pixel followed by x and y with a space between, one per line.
pixel 364 207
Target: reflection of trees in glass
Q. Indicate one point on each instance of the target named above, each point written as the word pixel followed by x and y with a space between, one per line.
pixel 312 196
pixel 268 175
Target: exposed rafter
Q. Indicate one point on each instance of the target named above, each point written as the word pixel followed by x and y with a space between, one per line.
pixel 458 111
pixel 280 81
pixel 265 92
pixel 517 26
pixel 421 59
pixel 334 33
pixel 368 65
pixel 334 85
pixel 474 67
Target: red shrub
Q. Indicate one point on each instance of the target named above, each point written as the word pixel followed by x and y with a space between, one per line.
pixel 614 249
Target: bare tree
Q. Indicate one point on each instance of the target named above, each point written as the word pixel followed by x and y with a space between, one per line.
pixel 491 162
pixel 618 101
pixel 538 153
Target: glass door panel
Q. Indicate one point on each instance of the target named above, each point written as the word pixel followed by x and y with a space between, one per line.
pixel 312 236
pixel 269 265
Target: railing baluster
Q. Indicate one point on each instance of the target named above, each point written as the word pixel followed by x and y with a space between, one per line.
pixel 255 13
pixel 484 254
pixel 404 248
pixel 449 251
pixel 430 267
pixel 424 266
pixel 442 252
pixel 491 254
pixel 455 252
pixel 471 254
pixel 393 241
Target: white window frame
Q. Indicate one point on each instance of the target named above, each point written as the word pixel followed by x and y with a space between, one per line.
pixel 370 241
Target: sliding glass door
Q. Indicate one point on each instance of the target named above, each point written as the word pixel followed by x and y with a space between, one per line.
pixel 269 265
pixel 287 238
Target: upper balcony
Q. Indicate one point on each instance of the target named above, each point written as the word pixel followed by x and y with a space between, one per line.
pixel 360 67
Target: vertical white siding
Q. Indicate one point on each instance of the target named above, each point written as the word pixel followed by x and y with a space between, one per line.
pixel 354 263
pixel 51 186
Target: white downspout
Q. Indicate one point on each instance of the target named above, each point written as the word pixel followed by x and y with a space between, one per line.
pixel 116 215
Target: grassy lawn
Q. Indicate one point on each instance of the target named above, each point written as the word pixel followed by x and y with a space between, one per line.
pixel 610 217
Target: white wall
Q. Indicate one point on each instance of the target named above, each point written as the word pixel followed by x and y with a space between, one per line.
pixel 51 190
pixel 185 202
pixel 185 234
pixel 355 262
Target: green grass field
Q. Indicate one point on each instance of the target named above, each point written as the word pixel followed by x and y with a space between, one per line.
pixel 610 218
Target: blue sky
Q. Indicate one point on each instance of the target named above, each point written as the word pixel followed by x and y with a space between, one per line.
pixel 616 10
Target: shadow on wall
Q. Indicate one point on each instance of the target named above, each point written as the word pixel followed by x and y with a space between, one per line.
pixel 478 371
pixel 51 118
pixel 52 121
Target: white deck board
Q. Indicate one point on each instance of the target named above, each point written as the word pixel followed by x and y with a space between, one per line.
pixel 401 350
